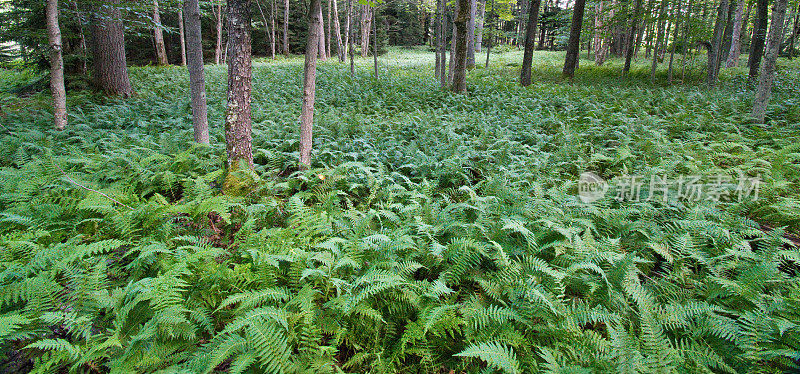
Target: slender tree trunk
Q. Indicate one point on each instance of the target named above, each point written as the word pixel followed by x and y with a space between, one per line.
pixel 659 36
pixel 795 31
pixel 273 42
pixel 453 33
pixel 530 40
pixel 266 28
pixel 461 20
pixel 238 126
pixel 479 26
pixel 161 50
pixel 759 38
pixel 441 49
pixel 491 39
pixel 632 37
pixel 218 50
pixel 366 29
pixel 337 31
pixel 323 52
pixel 736 42
pixel 727 37
pixel 286 28
pixel 182 36
pixel 110 73
pixel 686 24
pixel 328 29
pixel 767 71
pixel 473 11
pixel 347 20
pixel 309 82
pixel 197 80
pixel 351 36
pixel 375 39
pixel 670 70
pixel 56 66
pixel 715 52
pixel 82 40
pixel 574 44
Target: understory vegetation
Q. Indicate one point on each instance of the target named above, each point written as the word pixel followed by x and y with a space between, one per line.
pixel 434 232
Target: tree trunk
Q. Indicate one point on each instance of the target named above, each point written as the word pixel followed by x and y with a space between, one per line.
pixel 309 82
pixel 686 24
pixel 161 49
pixel 328 30
pixel 736 42
pixel 270 37
pixel 82 40
pixel 286 28
pixel 375 39
pixel 218 50
pixel 574 44
pixel 479 27
pixel 273 42
pixel 759 38
pixel 238 126
pixel 56 65
pixel 600 45
pixel 108 51
pixel 727 38
pixel 460 21
pixel 632 37
pixel 767 71
pixel 530 40
pixel 351 35
pixel 366 28
pixel 337 31
pixel 715 52
pixel 795 32
pixel 473 11
pixel 197 80
pixel 347 33
pixel 323 52
pixel 670 70
pixel 441 49
pixel 182 36
pixel 659 37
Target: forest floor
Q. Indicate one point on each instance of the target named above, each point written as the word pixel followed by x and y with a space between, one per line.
pixel 424 219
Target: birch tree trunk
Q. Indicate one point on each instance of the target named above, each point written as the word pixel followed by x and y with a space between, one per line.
pixel 767 71
pixel 337 31
pixel 530 40
pixel 238 125
pixel 158 35
pixel 309 82
pixel 182 36
pixel 366 26
pixel 659 36
pixel 197 80
pixel 328 30
pixel 110 73
pixel 56 65
pixel 479 26
pixel 323 53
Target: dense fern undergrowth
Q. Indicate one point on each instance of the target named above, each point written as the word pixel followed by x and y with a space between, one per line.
pixel 434 233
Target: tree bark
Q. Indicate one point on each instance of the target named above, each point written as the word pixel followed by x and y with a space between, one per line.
pixel 158 35
pixel 767 71
pixel 286 28
pixel 759 38
pixel 351 50
pixel 238 125
pixel 182 36
pixel 347 31
pixel 530 41
pixel 197 80
pixel 715 52
pixel 309 82
pixel 632 37
pixel 473 11
pixel 727 37
pixel 337 31
pixel 795 32
pixel 108 51
pixel 375 40
pixel 441 49
pixel 328 30
pixel 600 45
pixel 574 44
pixel 323 52
pixel 218 50
pixel 736 38
pixel 479 26
pixel 670 70
pixel 82 40
pixel 459 84
pixel 659 37
pixel 366 29
pixel 56 65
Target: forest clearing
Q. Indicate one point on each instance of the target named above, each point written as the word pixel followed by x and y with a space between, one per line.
pixel 621 219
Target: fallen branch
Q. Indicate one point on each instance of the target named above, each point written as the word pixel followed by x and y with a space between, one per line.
pixel 89 189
